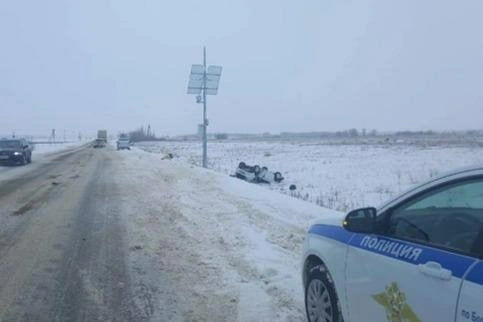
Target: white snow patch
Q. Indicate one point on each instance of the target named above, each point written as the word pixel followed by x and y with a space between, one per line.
pixel 45 148
pixel 232 249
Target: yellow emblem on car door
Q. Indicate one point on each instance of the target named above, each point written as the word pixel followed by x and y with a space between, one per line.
pixel 394 302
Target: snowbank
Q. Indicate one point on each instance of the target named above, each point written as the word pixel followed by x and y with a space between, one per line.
pixel 215 248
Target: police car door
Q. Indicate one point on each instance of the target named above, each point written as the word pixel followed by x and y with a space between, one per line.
pixel 470 306
pixel 412 269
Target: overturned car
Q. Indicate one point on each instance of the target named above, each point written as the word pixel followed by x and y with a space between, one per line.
pixel 257 174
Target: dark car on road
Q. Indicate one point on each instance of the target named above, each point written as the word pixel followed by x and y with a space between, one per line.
pixel 99 143
pixel 15 151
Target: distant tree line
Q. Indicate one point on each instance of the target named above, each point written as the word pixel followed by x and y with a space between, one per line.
pixel 352 133
pixel 142 134
pixel 221 136
pixel 415 133
pixel 326 134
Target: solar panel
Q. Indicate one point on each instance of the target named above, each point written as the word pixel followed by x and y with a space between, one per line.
pixel 214 70
pixel 197 69
pixel 195 84
pixel 194 90
pixel 212 84
pixel 212 91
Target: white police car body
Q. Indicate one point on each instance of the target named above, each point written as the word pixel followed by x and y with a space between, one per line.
pixel 415 258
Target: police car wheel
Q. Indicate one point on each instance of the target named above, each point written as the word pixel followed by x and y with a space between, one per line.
pixel 320 297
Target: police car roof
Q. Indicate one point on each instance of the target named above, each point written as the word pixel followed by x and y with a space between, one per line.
pixel 458 171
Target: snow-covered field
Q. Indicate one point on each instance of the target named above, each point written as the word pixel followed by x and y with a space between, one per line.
pixel 50 148
pixel 335 176
pixel 211 247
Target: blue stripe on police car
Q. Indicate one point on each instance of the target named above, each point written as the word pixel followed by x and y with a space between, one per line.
pixel 400 250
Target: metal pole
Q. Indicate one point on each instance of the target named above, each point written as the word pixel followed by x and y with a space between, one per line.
pixel 204 111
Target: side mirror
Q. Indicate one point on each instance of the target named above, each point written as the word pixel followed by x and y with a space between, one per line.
pixel 362 220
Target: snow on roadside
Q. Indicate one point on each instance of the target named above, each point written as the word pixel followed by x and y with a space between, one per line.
pixel 212 247
pixel 51 148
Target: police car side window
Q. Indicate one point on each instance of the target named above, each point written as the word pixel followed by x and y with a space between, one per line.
pixel 449 217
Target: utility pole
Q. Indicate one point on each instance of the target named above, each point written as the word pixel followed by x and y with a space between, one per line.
pixel 205 121
pixel 204 80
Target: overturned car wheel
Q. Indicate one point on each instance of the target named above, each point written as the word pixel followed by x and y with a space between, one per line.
pixel 277 177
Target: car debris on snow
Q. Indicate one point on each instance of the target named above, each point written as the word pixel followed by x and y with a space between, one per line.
pixel 168 156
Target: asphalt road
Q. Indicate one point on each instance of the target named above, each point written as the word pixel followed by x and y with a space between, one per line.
pixel 62 252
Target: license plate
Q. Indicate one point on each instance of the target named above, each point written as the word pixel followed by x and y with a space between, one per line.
pixel 3 157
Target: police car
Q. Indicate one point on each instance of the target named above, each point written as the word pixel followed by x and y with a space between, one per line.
pixel 418 257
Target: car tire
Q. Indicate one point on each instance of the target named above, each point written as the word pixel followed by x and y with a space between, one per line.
pixel 24 160
pixel 321 301
pixel 277 176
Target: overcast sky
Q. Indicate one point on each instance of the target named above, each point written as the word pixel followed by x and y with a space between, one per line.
pixel 288 65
